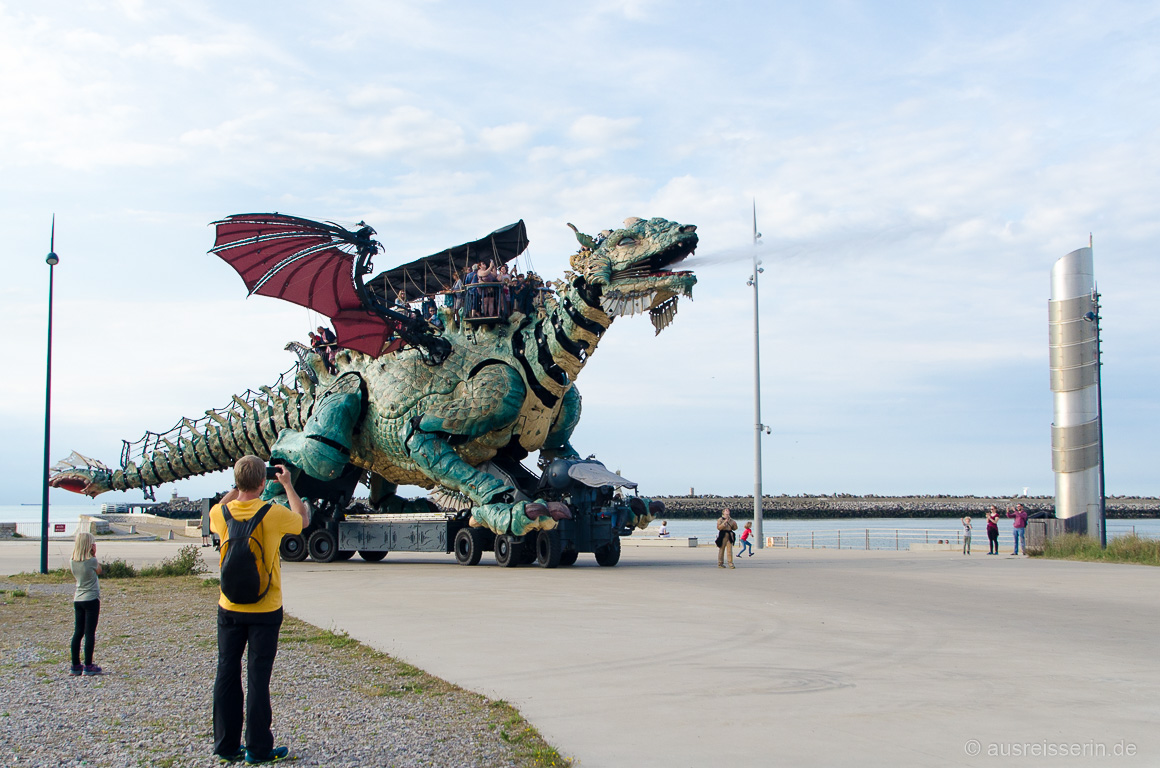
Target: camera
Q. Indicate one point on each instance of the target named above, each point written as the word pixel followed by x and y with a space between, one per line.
pixel 271 472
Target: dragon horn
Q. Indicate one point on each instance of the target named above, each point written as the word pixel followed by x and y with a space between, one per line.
pixel 582 238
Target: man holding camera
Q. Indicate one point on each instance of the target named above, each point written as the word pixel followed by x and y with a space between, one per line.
pixel 255 624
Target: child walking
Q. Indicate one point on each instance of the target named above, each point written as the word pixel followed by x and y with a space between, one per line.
pixel 86 602
pixel 745 542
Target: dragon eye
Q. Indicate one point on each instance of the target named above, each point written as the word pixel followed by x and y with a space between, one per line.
pixel 626 241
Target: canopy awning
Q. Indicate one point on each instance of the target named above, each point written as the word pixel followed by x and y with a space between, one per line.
pixel 431 274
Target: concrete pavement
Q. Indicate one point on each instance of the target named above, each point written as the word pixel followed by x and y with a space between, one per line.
pixel 797 657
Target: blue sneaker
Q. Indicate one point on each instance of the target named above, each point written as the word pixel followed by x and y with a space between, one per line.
pixel 76 670
pixel 92 669
pixel 276 754
pixel 237 757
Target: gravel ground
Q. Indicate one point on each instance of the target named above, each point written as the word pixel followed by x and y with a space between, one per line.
pixel 336 702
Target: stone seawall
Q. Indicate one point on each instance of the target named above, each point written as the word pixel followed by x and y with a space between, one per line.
pixel 844 506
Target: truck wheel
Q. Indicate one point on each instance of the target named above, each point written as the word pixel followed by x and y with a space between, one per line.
pixel 372 557
pixel 293 548
pixel 468 546
pixel 344 554
pixel 609 554
pixel 507 552
pixel 548 549
pixel 568 557
pixel 321 546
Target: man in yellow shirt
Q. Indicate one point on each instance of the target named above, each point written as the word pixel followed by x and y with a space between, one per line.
pixel 256 624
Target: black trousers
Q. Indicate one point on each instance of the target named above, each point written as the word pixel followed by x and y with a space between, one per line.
pixel 85 625
pixel 236 630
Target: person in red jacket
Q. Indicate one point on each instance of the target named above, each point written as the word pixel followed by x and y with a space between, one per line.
pixel 1020 527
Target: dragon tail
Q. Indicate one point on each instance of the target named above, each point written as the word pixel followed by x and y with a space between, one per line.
pixel 249 424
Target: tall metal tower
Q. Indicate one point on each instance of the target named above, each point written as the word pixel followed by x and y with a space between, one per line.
pixel 1077 429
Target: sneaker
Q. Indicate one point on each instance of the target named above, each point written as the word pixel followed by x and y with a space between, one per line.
pixel 731 565
pixel 719 565
pixel 92 669
pixel 276 754
pixel 75 670
pixel 236 757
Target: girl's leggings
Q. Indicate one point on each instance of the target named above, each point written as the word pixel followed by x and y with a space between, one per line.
pixel 86 613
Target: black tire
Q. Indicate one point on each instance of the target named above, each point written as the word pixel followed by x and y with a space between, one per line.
pixel 372 557
pixel 507 551
pixel 293 548
pixel 609 554
pixel 321 546
pixel 344 554
pixel 568 557
pixel 548 549
pixel 468 546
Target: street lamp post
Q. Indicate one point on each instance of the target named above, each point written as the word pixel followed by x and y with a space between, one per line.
pixel 52 260
pixel 758 426
pixel 1094 317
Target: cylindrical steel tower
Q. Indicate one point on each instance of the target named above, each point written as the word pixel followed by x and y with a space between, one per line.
pixel 1073 328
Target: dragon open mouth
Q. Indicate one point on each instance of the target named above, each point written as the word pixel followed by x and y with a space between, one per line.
pixel 651 285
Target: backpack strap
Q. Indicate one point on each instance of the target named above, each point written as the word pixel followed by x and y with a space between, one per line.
pixel 257 518
pixel 226 514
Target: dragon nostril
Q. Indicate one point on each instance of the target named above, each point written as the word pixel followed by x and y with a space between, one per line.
pixel 688 228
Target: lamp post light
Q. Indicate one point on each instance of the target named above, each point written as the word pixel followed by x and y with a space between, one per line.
pixel 758 426
pixel 1094 317
pixel 52 260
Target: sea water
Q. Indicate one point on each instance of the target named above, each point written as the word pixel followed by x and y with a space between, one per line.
pixel 860 533
pixel 878 532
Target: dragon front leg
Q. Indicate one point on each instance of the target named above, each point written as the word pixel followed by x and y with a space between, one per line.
pixel 557 444
pixel 490 400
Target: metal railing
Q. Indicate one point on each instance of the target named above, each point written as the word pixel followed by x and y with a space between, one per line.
pixel 875 538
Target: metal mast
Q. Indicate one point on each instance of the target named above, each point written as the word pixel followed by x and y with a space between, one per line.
pixel 52 260
pixel 758 427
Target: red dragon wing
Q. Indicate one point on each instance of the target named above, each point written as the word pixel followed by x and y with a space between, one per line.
pixel 308 263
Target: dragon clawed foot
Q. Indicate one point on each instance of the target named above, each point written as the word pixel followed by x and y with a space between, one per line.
pixel 519 518
pixel 81 474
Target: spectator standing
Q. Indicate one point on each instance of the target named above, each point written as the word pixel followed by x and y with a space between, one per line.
pixel 993 531
pixel 966 535
pixel 1019 527
pixel 469 281
pixel 253 624
pixel 86 603
pixel 726 526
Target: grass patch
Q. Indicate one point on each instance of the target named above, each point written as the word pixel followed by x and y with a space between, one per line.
pixel 117 569
pixel 1122 549
pixel 187 562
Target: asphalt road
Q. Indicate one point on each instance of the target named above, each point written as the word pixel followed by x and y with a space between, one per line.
pixel 798 657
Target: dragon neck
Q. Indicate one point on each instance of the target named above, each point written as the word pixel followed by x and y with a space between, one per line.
pixel 554 348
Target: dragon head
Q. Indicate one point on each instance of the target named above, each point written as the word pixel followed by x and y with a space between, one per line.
pixel 629 269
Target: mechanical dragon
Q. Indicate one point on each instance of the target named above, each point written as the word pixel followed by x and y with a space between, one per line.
pixel 404 402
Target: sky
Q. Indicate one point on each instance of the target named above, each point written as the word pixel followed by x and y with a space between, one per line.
pixel 916 169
